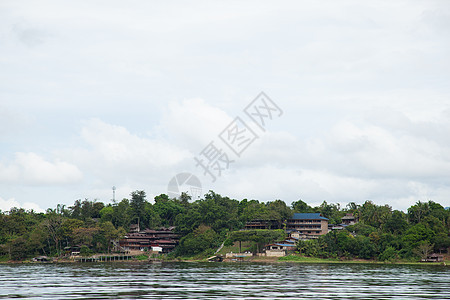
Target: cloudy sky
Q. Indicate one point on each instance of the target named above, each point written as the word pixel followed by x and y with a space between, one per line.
pixel 95 94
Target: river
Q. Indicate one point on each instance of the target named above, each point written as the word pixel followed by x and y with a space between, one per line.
pixel 223 281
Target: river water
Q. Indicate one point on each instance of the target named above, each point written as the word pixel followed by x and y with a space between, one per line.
pixel 223 281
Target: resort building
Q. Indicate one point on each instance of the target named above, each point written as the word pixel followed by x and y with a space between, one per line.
pixel 163 240
pixel 307 225
pixel 263 224
pixel 349 219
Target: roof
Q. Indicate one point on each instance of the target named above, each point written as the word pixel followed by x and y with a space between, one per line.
pixel 285 245
pixel 165 242
pixel 308 216
pixel 435 255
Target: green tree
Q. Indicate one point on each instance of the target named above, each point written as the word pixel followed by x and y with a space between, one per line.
pixel 221 213
pixel 107 213
pixel 331 211
pixel 85 251
pixel 417 234
pixel 389 254
pixel 374 215
pixel 278 210
pixel 85 236
pixel 19 248
pixel 110 233
pixel 253 209
pixel 301 207
pixel 417 212
pixel 167 209
pixel 151 218
pixel 187 222
pixel 423 249
pixel 75 210
pixel 137 204
pixel 66 231
pixel 53 224
pixel 200 240
pixel 122 214
pixel 396 223
pixel 37 240
pixel 366 249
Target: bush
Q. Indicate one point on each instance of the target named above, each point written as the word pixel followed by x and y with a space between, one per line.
pixel 228 243
pixel 389 254
pixel 142 257
pixel 85 251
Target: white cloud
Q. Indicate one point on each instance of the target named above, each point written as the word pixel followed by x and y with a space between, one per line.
pixel 390 150
pixel 388 158
pixel 115 145
pixel 32 169
pixel 114 155
pixel 193 123
pixel 6 205
pixel 364 88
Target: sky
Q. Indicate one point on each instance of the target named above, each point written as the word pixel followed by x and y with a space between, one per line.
pixel 96 94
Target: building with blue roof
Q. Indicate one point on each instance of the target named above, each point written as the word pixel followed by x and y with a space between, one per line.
pixel 308 216
pixel 307 225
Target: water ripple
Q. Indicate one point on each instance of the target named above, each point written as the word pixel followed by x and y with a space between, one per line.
pixel 223 281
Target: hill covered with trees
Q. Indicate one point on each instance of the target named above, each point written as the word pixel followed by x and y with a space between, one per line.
pixel 382 233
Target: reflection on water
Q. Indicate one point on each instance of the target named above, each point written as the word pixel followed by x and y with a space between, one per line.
pixel 223 280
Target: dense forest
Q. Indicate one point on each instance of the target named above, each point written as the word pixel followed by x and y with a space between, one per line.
pixel 382 233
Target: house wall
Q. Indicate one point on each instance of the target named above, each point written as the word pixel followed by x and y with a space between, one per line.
pixel 275 253
pixel 232 255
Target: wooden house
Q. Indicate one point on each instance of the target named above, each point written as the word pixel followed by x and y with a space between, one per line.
pixel 349 219
pixel 434 257
pixel 263 224
pixel 164 239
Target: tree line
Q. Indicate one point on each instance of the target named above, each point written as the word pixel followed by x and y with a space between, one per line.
pixel 205 223
pixel 386 235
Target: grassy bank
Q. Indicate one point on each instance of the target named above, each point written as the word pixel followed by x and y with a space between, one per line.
pixel 305 259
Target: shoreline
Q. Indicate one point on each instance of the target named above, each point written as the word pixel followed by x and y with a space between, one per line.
pixel 284 259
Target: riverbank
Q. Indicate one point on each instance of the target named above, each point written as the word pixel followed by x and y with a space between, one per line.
pixel 293 258
pixel 98 257
pixel 304 259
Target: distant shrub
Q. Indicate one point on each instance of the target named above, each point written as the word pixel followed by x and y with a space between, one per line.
pixel 228 243
pixel 85 251
pixel 390 254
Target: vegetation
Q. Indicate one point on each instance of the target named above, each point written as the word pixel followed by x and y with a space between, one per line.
pixel 386 235
pixel 381 234
pixel 260 237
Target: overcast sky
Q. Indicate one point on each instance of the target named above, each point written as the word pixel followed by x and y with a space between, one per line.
pixel 95 94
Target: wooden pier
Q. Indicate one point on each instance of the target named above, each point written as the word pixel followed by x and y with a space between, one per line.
pixel 104 258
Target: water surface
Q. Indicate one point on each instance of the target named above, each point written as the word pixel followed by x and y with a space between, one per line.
pixel 223 281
